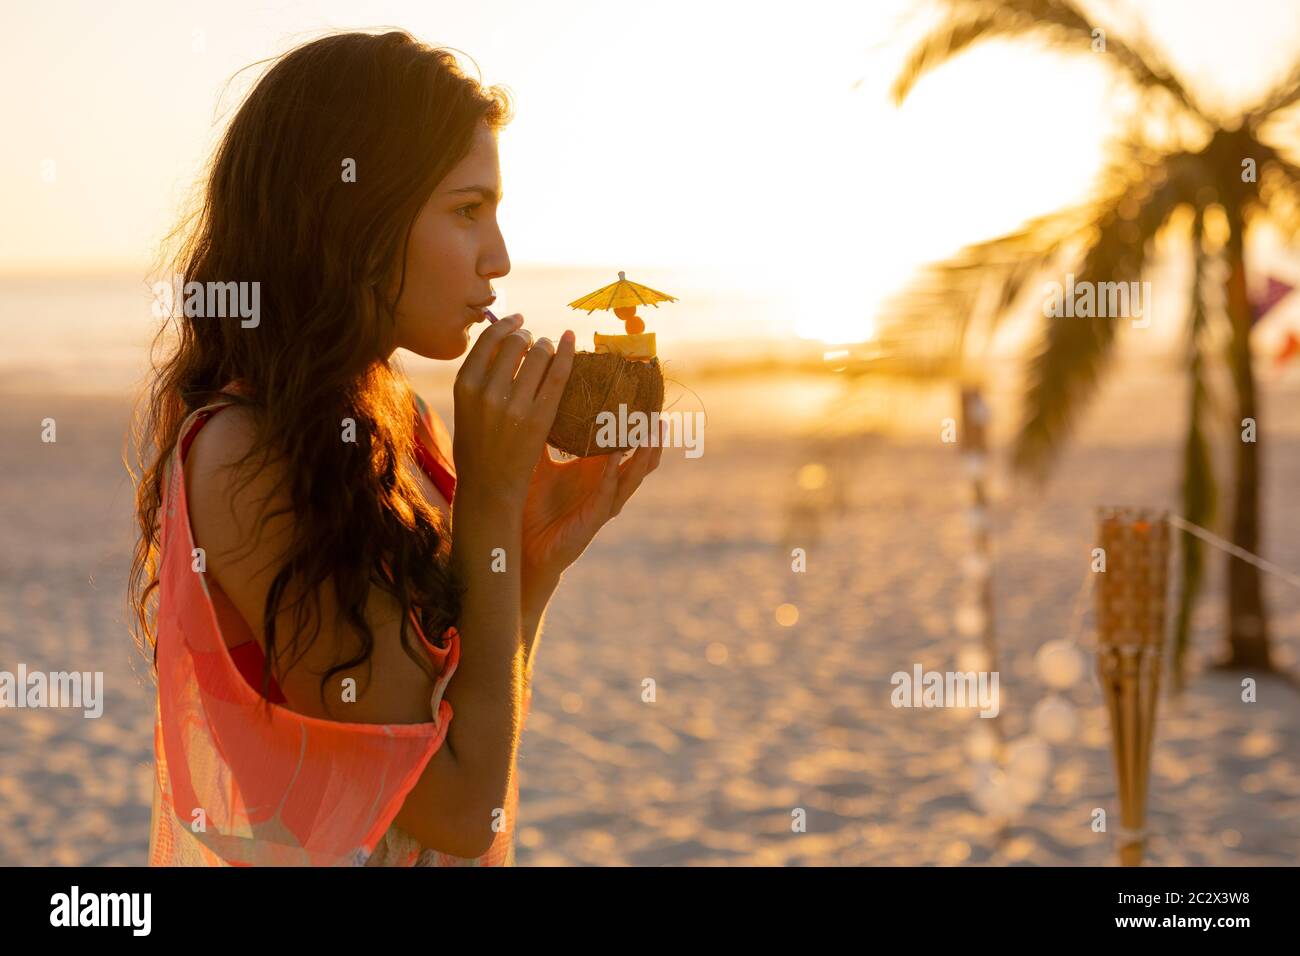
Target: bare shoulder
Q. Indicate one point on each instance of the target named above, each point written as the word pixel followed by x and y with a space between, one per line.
pixel 225 499
pixel 239 514
pixel 223 440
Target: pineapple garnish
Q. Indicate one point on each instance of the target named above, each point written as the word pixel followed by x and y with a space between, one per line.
pixel 636 348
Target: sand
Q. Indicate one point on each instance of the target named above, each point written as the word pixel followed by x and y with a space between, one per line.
pixel 753 719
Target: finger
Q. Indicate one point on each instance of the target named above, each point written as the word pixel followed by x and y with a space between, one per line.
pixel 557 374
pixel 659 449
pixel 501 375
pixel 630 477
pixel 643 455
pixel 608 484
pixel 475 367
pixel 531 373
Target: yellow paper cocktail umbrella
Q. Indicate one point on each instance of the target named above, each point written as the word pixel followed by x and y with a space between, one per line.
pixel 623 297
pixel 621 294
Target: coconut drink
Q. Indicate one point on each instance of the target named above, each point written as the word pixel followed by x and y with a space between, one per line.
pixel 622 370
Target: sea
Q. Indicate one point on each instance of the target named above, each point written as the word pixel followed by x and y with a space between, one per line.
pixel 92 332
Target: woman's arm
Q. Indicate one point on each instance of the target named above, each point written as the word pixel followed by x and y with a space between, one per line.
pixel 491 659
pixel 537 595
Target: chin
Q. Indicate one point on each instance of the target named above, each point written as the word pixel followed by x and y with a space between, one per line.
pixel 445 348
pixel 458 349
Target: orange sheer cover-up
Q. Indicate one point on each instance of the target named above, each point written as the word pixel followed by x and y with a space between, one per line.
pixel 234 787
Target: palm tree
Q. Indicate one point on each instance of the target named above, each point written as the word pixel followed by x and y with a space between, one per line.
pixel 1172 155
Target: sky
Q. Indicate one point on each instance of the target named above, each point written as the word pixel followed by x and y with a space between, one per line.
pixel 749 140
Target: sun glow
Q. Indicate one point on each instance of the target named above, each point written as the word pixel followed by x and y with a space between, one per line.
pixel 844 328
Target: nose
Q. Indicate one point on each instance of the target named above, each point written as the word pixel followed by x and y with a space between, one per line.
pixel 495 260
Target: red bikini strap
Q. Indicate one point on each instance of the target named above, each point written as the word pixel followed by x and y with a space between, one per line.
pixel 187 440
pixel 442 479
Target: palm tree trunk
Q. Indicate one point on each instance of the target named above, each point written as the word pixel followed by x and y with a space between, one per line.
pixel 1247 622
pixel 1198 492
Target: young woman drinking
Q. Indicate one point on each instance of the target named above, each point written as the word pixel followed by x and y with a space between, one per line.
pixel 347 604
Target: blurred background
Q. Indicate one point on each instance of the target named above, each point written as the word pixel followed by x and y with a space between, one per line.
pixel 859 208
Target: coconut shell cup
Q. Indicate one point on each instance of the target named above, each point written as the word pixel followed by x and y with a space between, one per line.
pixel 600 382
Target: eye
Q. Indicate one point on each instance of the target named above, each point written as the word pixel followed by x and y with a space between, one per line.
pixel 463 209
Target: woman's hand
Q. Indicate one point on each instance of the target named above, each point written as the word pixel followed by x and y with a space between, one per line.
pixel 502 419
pixel 569 501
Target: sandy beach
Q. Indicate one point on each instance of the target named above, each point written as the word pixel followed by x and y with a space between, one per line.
pixel 753 718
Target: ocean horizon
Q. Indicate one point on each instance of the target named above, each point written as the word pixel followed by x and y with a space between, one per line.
pixel 90 332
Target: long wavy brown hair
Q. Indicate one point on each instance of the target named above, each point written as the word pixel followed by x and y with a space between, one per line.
pixel 275 208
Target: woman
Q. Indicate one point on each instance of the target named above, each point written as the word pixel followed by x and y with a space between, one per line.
pixel 325 560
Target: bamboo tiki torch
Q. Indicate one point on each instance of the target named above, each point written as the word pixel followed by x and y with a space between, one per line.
pixel 1130 644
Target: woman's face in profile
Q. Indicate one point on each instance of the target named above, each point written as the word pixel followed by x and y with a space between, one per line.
pixel 455 251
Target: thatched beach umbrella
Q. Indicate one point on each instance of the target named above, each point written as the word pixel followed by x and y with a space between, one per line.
pixel 1130 644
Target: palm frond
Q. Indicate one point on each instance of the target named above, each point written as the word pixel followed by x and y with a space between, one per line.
pixel 1059 23
pixel 929 322
pixel 1283 96
pixel 1280 191
pixel 1073 352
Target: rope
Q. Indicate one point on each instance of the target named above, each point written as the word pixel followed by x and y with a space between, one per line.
pixel 1074 629
pixel 1079 609
pixel 1213 539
